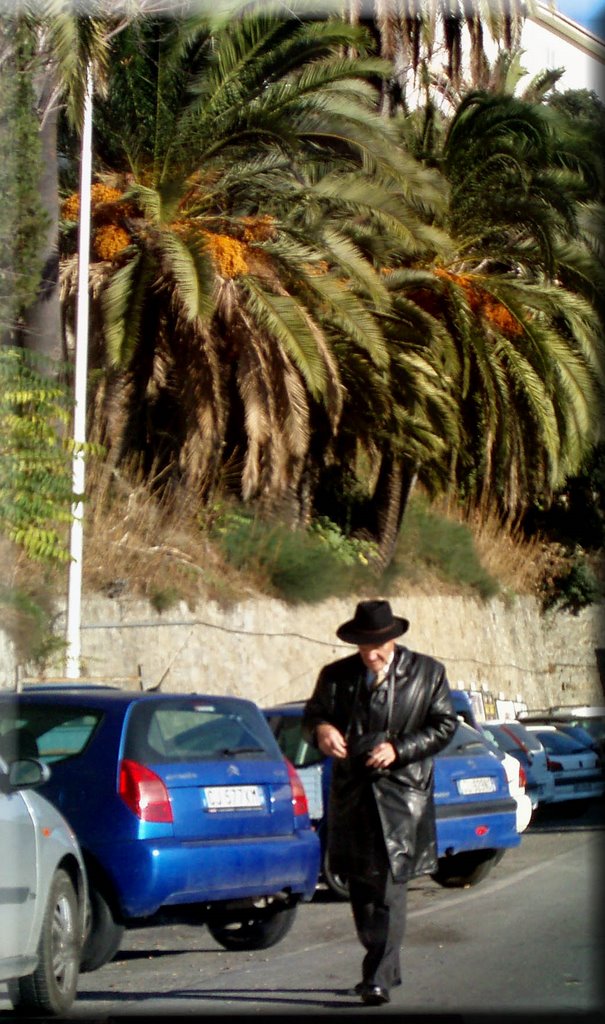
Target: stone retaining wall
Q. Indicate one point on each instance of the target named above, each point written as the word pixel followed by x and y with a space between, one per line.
pixel 269 651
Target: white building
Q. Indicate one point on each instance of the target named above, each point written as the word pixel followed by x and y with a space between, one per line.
pixel 552 39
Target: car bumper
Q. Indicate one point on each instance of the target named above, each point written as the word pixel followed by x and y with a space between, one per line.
pixel 576 791
pixel 478 827
pixel 151 874
pixel 525 810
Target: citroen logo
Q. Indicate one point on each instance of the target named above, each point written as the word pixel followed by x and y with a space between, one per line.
pixel 233 770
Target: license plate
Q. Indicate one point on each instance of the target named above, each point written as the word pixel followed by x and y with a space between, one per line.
pixel 233 798
pixel 482 784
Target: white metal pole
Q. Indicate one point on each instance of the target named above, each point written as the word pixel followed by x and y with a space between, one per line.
pixel 74 593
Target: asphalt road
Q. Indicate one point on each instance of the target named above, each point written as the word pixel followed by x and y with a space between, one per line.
pixel 526 940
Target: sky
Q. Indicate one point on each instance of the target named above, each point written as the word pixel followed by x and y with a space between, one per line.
pixel 588 13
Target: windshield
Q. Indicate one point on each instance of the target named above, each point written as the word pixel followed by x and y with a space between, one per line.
pixel 51 732
pixel 287 730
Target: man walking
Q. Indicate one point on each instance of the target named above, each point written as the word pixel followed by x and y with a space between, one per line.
pixel 381 714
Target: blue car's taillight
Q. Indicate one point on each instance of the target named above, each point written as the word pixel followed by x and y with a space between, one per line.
pixel 144 792
pixel 299 797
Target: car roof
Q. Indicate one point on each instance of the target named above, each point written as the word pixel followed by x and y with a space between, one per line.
pixel 284 708
pixel 542 727
pixel 563 712
pixel 99 694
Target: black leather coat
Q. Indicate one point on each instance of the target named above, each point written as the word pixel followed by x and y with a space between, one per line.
pixel 369 810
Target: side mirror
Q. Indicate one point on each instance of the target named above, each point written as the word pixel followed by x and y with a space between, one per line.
pixel 27 772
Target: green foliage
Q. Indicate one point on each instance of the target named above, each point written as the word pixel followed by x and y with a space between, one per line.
pixel 35 471
pixel 27 617
pixel 574 589
pixel 350 550
pixel 163 598
pixel 301 566
pixel 447 548
pixel 23 221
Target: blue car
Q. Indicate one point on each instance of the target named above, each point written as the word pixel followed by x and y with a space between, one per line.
pixel 475 812
pixel 183 805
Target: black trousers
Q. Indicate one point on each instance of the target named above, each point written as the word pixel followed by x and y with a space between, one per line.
pixel 379 911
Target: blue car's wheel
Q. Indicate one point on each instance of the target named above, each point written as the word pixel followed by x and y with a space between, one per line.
pixel 253 928
pixel 104 935
pixel 335 883
pixel 468 868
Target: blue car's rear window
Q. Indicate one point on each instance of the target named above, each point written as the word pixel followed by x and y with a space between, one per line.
pixel 196 730
pixel 464 739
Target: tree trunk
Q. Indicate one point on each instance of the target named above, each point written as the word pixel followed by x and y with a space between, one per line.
pixel 396 479
pixel 41 328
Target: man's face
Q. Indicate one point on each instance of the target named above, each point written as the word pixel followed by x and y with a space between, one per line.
pixel 375 657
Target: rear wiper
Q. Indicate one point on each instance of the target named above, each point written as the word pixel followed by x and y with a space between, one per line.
pixel 231 751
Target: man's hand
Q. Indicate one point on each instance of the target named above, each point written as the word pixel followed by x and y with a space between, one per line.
pixel 330 740
pixel 381 756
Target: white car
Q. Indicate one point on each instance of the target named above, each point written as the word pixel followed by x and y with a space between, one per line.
pixel 577 770
pixel 515 739
pixel 43 894
pixel 515 774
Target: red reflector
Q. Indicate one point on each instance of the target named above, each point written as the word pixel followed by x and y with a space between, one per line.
pixel 481 830
pixel 144 792
pixel 299 797
pixel 522 776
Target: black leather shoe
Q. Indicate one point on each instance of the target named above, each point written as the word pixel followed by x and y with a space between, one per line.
pixel 362 984
pixel 374 995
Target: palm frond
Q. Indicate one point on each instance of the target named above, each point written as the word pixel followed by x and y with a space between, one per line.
pixel 283 318
pixel 123 301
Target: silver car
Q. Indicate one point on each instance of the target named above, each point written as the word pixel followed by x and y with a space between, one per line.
pixel 43 894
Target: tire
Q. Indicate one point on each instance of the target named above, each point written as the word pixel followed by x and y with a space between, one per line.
pixel 335 883
pixel 466 869
pixel 104 934
pixel 254 928
pixel 51 989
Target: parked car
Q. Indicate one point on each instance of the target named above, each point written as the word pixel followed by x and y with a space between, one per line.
pixel 590 717
pixel 43 894
pixel 515 739
pixel 476 815
pixel 580 735
pixel 515 772
pixel 576 769
pixel 184 806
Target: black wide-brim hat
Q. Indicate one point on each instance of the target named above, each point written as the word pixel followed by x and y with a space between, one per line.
pixel 373 623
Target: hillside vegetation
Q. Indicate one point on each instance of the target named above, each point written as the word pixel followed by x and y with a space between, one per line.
pixel 138 547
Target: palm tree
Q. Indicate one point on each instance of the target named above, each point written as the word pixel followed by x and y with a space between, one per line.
pixel 433 44
pixel 529 350
pixel 60 45
pixel 237 238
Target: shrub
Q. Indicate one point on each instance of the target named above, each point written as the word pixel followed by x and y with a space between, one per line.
pixel 574 589
pixel 445 547
pixel 301 566
pixel 27 618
